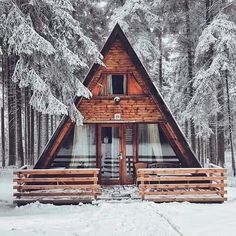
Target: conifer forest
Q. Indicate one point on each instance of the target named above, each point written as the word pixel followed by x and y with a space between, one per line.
pixel 47 47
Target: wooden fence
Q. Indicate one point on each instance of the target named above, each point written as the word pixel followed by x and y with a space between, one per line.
pixel 182 184
pixel 57 186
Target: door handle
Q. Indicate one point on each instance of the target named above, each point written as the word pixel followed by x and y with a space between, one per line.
pixel 120 156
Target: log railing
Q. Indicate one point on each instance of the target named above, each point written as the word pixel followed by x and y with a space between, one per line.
pixel 182 184
pixel 57 186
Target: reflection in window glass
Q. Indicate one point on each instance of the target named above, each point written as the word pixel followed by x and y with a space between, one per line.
pixel 84 147
pixel 154 146
pixel 78 150
pixel 117 84
pixel 63 157
pixel 110 153
pixel 129 150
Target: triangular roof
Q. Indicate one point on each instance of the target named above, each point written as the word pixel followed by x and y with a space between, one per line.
pixel 179 143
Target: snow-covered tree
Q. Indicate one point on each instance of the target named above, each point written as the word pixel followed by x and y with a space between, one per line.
pixel 140 21
pixel 51 49
pixel 215 54
pixel 216 60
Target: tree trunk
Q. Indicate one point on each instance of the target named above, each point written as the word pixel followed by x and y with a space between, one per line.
pixel 208 11
pixel 160 60
pixel 198 149
pixel 26 125
pixel 3 137
pixel 190 70
pixel 2 115
pixel 212 139
pixel 20 154
pixel 44 136
pixel 212 142
pixel 32 159
pixel 186 128
pixel 202 152
pixel 230 125
pixel 46 129
pixel 220 126
pixel 11 111
pixel 38 134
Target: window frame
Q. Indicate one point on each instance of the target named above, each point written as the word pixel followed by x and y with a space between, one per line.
pixel 109 84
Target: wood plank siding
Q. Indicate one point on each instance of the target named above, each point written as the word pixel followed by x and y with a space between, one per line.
pixel 182 184
pixel 135 106
pixel 131 110
pixel 55 186
pixel 140 102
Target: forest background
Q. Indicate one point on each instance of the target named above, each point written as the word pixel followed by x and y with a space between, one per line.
pixel 47 47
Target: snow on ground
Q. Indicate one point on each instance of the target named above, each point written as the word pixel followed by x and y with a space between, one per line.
pixel 115 218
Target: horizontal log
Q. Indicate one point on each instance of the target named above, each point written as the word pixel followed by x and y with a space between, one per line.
pixel 182 178
pixel 56 179
pixel 20 202
pixel 188 199
pixel 56 194
pixel 185 192
pixel 46 187
pixel 180 170
pixel 125 104
pixel 58 171
pixel 140 98
pixel 178 186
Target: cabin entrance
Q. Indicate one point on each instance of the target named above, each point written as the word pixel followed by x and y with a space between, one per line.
pixel 115 149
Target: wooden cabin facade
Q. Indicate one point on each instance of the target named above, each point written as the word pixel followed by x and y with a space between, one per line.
pixel 125 122
pixel 129 136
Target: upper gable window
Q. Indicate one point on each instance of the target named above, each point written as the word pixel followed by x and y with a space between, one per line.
pixel 117 84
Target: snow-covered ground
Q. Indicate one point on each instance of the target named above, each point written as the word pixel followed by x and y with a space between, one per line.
pixel 115 218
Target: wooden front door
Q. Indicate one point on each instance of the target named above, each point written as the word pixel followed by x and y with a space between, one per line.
pixel 115 151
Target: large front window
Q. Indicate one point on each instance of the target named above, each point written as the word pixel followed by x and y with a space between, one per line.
pixel 81 148
pixel 78 150
pixel 84 147
pixel 153 145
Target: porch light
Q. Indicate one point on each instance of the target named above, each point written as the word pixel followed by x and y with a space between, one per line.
pixel 117 100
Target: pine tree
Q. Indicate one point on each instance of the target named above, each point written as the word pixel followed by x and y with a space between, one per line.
pixel 51 49
pixel 141 22
pixel 218 40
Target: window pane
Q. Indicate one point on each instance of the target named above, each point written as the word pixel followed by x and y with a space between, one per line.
pixel 110 153
pixel 129 150
pixel 117 84
pixel 84 147
pixel 78 149
pixel 63 157
pixel 154 146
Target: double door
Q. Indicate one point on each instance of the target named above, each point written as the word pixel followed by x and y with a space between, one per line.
pixel 116 152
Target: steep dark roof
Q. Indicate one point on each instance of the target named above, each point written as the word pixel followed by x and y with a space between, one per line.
pixel 117 33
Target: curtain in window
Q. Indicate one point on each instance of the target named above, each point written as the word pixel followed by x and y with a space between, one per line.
pixel 149 143
pixel 110 153
pixel 110 86
pixel 154 135
pixel 125 84
pixel 84 147
pixel 115 152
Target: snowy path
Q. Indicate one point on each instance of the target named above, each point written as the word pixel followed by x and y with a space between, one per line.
pixel 104 219
pixel 131 218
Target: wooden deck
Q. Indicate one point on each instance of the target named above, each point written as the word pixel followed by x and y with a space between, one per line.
pixel 72 186
pixel 182 184
pixel 66 186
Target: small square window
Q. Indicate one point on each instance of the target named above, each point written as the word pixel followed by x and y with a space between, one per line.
pixel 117 84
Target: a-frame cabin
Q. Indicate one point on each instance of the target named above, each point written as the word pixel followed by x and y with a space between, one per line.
pixel 125 122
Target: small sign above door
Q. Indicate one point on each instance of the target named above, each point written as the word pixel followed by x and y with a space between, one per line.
pixel 117 116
